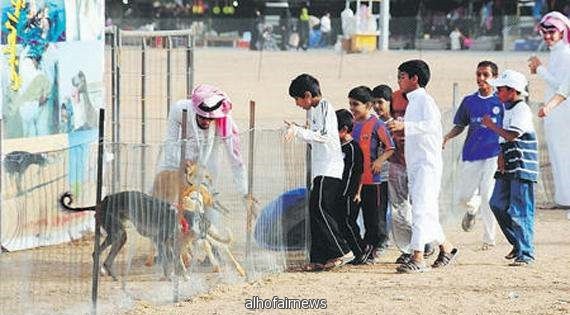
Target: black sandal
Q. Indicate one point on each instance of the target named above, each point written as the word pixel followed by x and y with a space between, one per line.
pixel 412 266
pixel 404 259
pixel 444 259
pixel 512 254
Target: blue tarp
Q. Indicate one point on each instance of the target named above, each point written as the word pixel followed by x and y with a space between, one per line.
pixel 281 223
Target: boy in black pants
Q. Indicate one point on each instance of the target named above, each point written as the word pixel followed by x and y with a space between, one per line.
pixel 349 199
pixel 327 245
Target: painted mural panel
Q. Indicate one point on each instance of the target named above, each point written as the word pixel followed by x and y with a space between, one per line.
pixel 51 84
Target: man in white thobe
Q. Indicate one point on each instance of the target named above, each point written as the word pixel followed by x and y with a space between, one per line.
pixel 555 30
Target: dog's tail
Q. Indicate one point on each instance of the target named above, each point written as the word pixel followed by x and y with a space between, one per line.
pixel 67 199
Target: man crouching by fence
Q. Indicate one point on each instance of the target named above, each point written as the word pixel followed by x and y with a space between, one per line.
pixel 208 106
pixel 209 125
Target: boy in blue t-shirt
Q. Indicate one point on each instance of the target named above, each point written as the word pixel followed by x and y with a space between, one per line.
pixel 480 150
pixel 513 197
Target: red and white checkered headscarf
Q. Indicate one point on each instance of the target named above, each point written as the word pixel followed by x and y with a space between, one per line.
pixel 211 102
pixel 556 20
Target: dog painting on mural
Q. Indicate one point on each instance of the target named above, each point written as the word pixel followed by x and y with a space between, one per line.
pixel 16 163
pixel 153 218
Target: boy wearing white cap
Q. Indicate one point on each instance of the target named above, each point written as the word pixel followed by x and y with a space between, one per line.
pixel 512 201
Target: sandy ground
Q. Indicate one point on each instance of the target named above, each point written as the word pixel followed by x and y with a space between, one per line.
pixel 480 282
pixel 265 77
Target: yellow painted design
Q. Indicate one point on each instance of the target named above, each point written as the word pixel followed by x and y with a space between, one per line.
pixel 12 41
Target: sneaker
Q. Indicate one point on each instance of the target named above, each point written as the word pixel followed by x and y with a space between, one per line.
pixel 468 222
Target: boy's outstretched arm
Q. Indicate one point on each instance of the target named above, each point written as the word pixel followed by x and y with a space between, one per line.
pixel 305 134
pixel 454 132
pixel 505 134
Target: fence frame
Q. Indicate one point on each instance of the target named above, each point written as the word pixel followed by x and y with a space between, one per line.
pixel 96 243
pixel 1 174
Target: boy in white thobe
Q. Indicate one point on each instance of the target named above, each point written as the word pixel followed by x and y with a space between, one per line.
pixel 422 127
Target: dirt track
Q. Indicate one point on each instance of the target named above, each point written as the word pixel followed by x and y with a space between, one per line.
pixel 479 283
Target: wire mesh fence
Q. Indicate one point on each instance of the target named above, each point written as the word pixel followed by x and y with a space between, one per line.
pixel 57 279
pixel 34 275
pixel 146 73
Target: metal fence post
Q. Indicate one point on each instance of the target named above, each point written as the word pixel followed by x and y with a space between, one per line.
pixel 168 74
pixel 250 162
pixel 114 84
pixel 181 184
pixel 143 111
pixel 114 100
pixel 454 145
pixel 117 110
pixel 100 149
pixel 308 179
pixel 1 169
pixel 189 66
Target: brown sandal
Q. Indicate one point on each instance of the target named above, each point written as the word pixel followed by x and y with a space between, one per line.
pixel 339 261
pixel 312 267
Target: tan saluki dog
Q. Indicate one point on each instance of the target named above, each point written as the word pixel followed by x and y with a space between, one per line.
pixel 198 199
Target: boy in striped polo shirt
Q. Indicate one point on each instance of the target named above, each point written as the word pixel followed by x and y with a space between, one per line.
pixel 512 201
